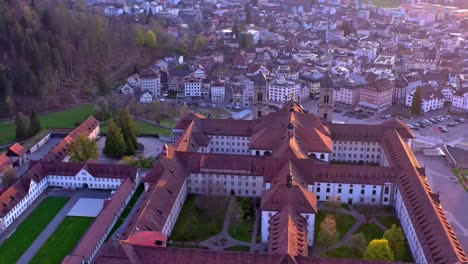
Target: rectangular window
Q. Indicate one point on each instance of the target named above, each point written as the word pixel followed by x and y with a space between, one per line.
pixel 328 190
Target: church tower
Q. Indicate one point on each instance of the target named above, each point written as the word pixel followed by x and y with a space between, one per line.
pixel 259 100
pixel 326 104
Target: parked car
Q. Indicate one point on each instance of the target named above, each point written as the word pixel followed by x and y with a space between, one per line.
pixel 452 124
pixel 460 120
pixel 386 116
pixel 444 130
pixel 416 128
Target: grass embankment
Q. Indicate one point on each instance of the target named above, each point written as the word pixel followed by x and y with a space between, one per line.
pixel 62 119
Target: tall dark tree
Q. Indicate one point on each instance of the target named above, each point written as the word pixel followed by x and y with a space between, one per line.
pixel 21 127
pixel 115 144
pixel 416 105
pixel 34 124
pixel 127 125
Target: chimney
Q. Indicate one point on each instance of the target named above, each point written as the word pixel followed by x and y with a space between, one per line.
pixel 290 130
pixel 289 180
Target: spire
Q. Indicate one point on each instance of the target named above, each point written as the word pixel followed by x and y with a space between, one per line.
pixel 326 81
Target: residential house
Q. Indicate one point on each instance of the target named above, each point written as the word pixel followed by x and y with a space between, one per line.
pixel 146 97
pixel 460 101
pixel 431 98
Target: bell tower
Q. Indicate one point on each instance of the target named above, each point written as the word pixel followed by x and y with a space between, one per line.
pixel 326 103
pixel 259 101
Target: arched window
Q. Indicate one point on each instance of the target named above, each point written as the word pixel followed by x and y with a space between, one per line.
pixel 267 153
pixel 259 114
pixel 257 153
pixel 322 156
pixel 312 156
pixel 387 189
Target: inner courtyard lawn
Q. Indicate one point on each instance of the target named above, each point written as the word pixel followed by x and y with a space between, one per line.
pixel 63 240
pixel 15 246
pixel 344 222
pixel 242 220
pixel 370 231
pixel 388 221
pixel 63 119
pixel 238 248
pixel 202 216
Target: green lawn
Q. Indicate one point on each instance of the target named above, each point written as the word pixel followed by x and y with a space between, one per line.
pixel 196 222
pixel 344 222
pixel 14 247
pixel 241 229
pixel 342 252
pixel 62 119
pixel 167 123
pixel 238 248
pixel 370 231
pixel 388 221
pixel 63 240
pixel 385 3
pixel 145 128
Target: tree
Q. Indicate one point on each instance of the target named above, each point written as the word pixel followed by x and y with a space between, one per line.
pixel 396 239
pixel 200 43
pixel 333 205
pixel 358 244
pixel 416 105
pixel 129 132
pixel 328 235
pixel 21 127
pixel 9 177
pixel 34 124
pixel 246 41
pixel 115 145
pixel 151 39
pixel 379 249
pixel 140 37
pixel 184 110
pixel 83 149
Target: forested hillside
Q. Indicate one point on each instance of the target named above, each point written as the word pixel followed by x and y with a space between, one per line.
pixel 52 56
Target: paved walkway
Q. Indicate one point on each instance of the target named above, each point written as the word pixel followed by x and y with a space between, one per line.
pixel 42 238
pixel 223 240
pixel 47 232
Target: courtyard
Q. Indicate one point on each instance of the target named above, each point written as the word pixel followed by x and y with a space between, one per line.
pixel 14 247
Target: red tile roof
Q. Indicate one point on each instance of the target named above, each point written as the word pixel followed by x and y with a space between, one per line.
pixel 5 162
pixel 103 221
pixel 18 149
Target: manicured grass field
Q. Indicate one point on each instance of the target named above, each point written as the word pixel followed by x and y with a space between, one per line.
pixel 145 128
pixel 63 240
pixel 62 119
pixel 238 248
pixel 370 231
pixel 167 123
pixel 241 229
pixel 14 247
pixel 388 221
pixel 342 252
pixel 385 3
pixel 196 222
pixel 344 222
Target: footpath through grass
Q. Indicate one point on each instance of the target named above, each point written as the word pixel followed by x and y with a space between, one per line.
pixel 242 220
pixel 15 246
pixel 63 119
pixel 201 217
pixel 63 240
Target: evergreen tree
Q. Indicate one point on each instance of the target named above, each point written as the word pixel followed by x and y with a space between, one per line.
pixel 416 105
pixel 115 144
pixel 21 127
pixel 129 132
pixel 396 239
pixel 379 249
pixel 34 124
pixel 83 149
pixel 140 37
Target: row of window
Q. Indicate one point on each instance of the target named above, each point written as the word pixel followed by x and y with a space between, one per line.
pixel 239 183
pixel 220 190
pixel 227 143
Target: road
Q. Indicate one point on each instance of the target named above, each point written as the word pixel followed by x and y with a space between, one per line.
pixel 452 196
